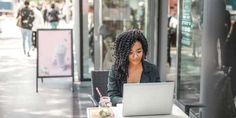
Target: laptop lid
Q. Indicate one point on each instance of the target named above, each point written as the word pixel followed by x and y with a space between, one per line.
pixel 148 98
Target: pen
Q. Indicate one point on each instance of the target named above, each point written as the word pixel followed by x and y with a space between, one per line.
pixel 99 93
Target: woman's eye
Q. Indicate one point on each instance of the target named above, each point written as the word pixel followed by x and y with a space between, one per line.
pixel 139 51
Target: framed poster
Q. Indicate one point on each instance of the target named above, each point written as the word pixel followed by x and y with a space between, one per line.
pixel 55 53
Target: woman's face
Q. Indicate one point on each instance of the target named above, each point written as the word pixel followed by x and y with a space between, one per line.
pixel 136 53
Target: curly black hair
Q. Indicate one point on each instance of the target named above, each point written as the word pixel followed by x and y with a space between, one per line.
pixel 123 45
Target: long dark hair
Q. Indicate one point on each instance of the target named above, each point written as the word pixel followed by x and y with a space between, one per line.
pixel 123 44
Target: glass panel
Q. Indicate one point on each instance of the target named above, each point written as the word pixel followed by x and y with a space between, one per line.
pixel 88 39
pixel 190 49
pixel 119 16
pixel 230 43
pixel 172 36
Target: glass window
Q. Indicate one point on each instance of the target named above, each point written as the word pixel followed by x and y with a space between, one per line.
pixel 119 16
pixel 172 36
pixel 232 3
pixel 230 43
pixel 88 38
pixel 190 36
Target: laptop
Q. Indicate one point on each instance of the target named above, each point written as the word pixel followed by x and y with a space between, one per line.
pixel 142 99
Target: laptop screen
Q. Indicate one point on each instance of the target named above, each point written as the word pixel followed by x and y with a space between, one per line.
pixel 148 98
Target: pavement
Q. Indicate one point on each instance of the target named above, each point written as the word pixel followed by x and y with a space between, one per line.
pixel 18 96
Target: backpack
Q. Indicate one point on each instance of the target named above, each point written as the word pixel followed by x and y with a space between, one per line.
pixel 53 16
pixel 27 18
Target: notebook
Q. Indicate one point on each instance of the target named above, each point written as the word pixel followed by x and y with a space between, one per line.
pixel 147 98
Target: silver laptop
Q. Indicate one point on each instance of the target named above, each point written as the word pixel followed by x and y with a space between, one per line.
pixel 148 98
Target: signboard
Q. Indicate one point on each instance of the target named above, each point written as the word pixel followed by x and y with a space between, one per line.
pixel 55 55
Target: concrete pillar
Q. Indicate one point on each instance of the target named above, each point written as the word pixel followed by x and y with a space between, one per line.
pixel 212 17
pixel 151 27
pixel 163 39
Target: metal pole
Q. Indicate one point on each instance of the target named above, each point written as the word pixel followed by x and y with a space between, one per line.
pixel 76 38
pixel 97 37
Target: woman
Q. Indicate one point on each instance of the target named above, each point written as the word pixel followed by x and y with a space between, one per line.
pixel 131 48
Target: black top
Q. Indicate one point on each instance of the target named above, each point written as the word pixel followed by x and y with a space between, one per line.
pixel 27 17
pixel 53 15
pixel 115 86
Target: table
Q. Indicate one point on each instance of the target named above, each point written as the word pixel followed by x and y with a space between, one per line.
pixel 176 113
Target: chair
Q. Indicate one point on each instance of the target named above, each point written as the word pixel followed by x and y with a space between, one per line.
pixel 99 80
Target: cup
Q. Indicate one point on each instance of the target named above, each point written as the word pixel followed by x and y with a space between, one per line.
pixel 105 101
pixel 105 106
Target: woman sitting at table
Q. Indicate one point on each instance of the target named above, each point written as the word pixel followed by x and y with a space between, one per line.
pixel 131 48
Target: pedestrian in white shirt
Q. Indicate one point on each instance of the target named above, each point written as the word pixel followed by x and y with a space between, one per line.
pixel 38 21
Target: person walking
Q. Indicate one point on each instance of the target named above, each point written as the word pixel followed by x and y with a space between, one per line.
pixel 37 23
pixel 53 16
pixel 26 16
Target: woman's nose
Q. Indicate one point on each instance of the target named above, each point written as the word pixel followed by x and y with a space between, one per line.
pixel 135 54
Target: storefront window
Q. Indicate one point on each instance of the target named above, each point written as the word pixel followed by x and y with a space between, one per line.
pixel 88 38
pixel 190 53
pixel 230 43
pixel 119 16
pixel 232 3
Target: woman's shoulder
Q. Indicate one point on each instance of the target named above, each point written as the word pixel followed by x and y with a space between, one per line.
pixel 149 66
pixel 151 71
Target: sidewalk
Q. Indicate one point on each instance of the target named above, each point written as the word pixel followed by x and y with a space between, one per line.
pixel 9 28
pixel 18 98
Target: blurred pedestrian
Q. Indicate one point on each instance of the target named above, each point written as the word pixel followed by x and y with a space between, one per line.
pixel 67 11
pixel 45 13
pixel 38 21
pixel 53 16
pixel 26 16
pixel 196 28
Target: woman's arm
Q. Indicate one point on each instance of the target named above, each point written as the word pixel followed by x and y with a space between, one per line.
pixel 113 88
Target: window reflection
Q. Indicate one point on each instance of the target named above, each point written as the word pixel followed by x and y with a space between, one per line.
pixel 190 36
pixel 119 16
pixel 230 43
pixel 190 54
pixel 88 39
pixel 190 58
